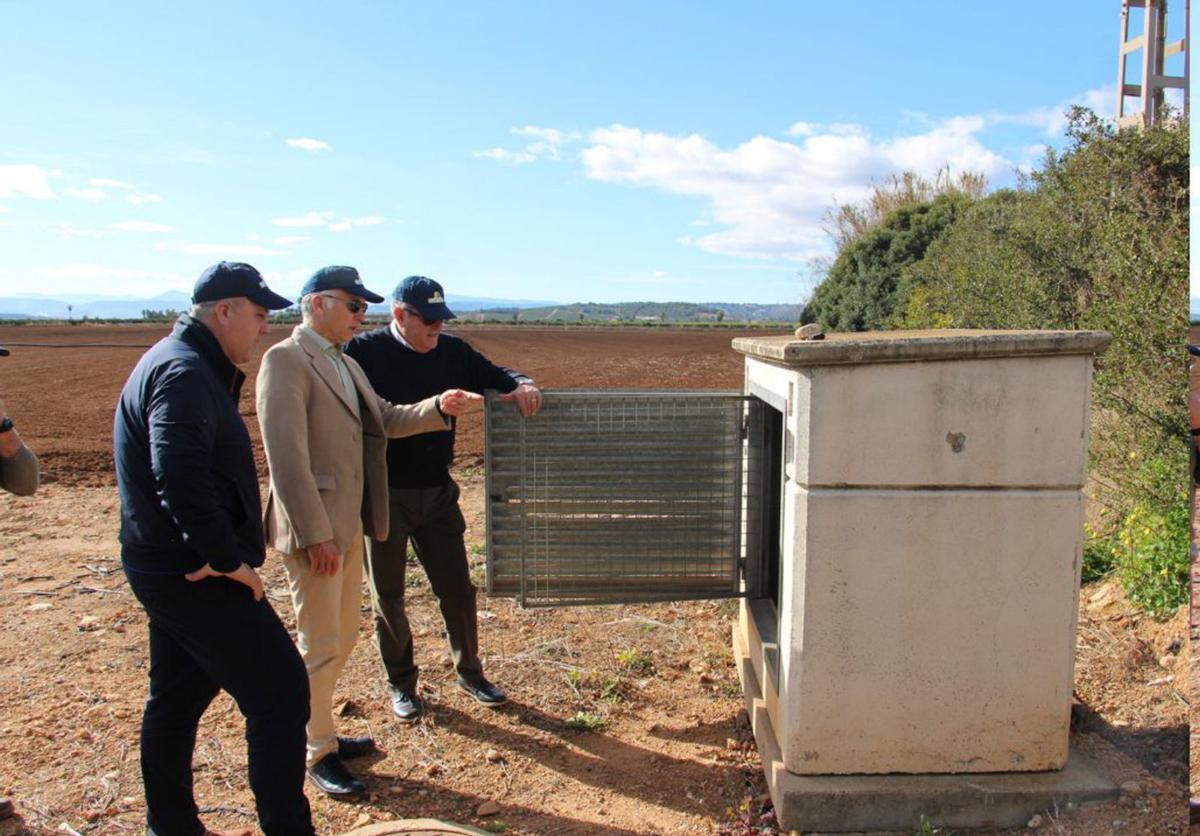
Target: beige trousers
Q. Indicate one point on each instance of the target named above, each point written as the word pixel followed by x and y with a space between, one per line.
pixel 328 612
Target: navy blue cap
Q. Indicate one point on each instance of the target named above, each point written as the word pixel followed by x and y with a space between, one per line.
pixel 3 351
pixel 1194 350
pixel 424 294
pixel 339 277
pixel 230 279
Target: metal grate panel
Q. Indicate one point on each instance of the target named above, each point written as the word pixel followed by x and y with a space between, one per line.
pixel 617 496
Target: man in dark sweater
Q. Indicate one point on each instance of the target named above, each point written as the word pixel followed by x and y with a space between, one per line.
pixel 410 360
pixel 191 539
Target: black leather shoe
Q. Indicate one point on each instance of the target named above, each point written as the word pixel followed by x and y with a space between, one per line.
pixel 406 705
pixel 484 692
pixel 355 747
pixel 333 778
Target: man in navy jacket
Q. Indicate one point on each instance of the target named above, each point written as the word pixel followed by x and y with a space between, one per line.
pixel 191 538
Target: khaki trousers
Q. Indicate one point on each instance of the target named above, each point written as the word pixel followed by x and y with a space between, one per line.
pixel 328 611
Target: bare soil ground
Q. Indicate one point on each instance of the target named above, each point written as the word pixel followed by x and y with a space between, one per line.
pixel 673 754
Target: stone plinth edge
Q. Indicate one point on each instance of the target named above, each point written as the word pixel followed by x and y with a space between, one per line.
pixel 915 346
pixel 896 803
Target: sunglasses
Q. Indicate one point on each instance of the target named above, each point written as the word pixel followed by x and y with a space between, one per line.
pixel 354 305
pixel 413 312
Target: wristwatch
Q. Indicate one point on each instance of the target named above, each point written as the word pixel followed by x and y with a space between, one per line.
pixel 5 425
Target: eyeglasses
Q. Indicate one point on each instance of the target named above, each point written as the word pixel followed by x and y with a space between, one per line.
pixel 354 305
pixel 413 312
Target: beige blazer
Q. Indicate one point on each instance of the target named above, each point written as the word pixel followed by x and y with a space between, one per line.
pixel 328 467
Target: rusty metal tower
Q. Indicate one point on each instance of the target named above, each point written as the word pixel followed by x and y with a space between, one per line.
pixel 1152 43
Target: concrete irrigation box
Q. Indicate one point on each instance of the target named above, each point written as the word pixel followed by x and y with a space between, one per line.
pixel 921 610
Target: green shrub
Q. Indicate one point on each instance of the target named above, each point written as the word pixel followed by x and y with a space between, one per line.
pixel 1100 557
pixel 592 685
pixel 1095 238
pixel 636 661
pixel 1153 559
pixel 586 721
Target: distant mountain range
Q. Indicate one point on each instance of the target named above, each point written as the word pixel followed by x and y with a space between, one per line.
pixel 646 312
pixel 40 306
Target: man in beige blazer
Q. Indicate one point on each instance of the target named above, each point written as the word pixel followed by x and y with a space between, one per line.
pixel 325 431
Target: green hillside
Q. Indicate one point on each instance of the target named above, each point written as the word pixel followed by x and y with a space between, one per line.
pixel 643 312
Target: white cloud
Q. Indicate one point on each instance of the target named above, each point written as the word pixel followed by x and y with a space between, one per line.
pixel 25 181
pixel 92 195
pixel 105 183
pixel 1031 157
pixel 844 129
pixel 287 282
pixel 80 270
pixel 77 231
pixel 86 277
pixel 325 219
pixel 5 209
pixel 140 226
pixel 289 240
pixel 309 144
pixel 547 144
pixel 224 250
pixel 140 198
pixel 769 195
pixel 1053 120
pixel 501 155
pixel 307 219
pixel 548 141
pixel 349 223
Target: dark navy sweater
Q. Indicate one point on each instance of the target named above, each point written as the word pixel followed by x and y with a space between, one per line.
pixel 402 375
pixel 185 470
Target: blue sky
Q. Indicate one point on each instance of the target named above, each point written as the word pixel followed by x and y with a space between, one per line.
pixel 562 151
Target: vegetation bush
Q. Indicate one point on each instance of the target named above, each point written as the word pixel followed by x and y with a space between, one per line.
pixel 1096 238
pixel 1148 564
pixel 868 279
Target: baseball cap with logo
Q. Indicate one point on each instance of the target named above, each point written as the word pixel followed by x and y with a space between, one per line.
pixel 425 295
pixel 339 277
pixel 230 279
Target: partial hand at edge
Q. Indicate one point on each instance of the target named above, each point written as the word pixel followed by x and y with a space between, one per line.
pixel 325 558
pixel 459 402
pixel 243 574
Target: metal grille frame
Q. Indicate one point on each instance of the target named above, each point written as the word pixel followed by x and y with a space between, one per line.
pixel 621 496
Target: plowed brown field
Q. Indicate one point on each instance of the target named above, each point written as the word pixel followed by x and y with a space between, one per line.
pixel 672 754
pixel 62 397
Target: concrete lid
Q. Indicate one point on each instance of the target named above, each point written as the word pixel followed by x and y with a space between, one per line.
pixel 915 346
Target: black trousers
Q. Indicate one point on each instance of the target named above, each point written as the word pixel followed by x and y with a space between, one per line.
pixel 204 637
pixel 431 517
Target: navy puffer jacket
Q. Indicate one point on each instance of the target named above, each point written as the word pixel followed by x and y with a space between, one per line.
pixel 185 469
